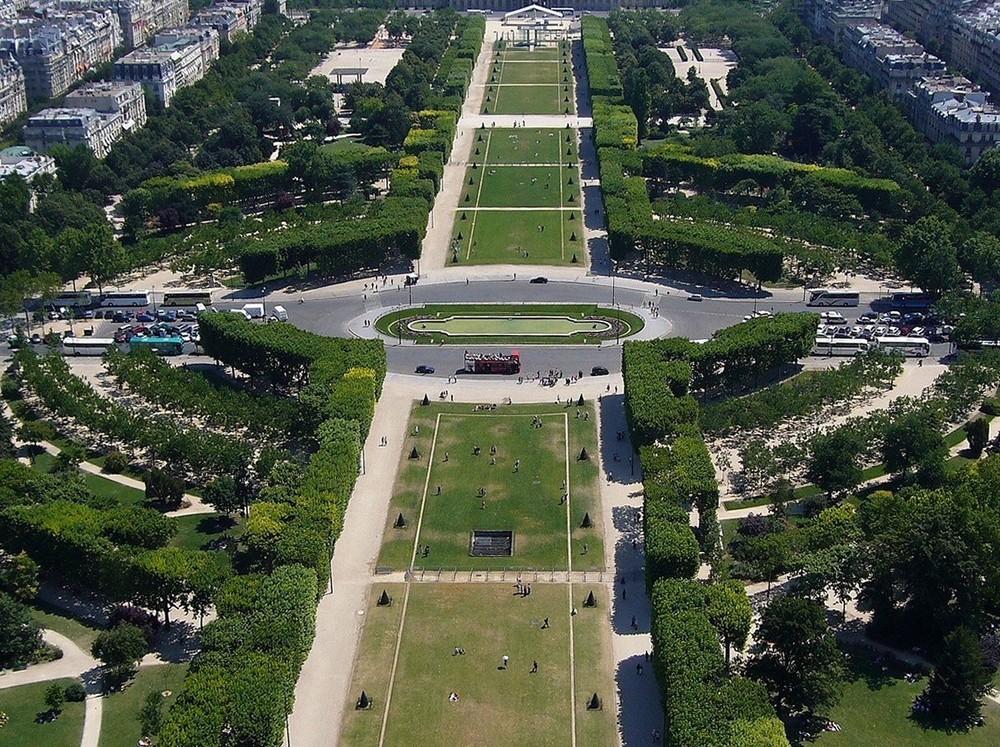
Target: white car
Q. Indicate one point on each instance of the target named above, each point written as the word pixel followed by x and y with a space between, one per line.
pixel 833 317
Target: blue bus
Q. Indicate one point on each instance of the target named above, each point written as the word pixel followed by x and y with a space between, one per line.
pixel 159 345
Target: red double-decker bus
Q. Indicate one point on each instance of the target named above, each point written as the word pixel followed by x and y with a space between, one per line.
pixel 493 363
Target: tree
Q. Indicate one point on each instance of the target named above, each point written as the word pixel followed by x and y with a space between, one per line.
pixel 19 576
pixel 799 664
pixel 55 696
pixel 957 685
pixel 978 433
pixel 730 613
pixel 120 648
pixel 164 488
pixel 985 173
pixel 833 465
pixel 637 95
pixel 759 465
pixel 222 495
pixel 915 440
pixel 33 432
pixel 927 256
pixel 20 636
pixel 98 252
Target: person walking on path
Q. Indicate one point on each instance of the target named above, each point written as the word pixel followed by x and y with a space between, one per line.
pixel 534 666
pixel 505 659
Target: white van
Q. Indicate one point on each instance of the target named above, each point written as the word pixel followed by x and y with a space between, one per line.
pixel 254 310
pixel 279 314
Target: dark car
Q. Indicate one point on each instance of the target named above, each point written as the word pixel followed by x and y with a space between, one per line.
pixel 539 279
pixel 425 369
pixel 598 371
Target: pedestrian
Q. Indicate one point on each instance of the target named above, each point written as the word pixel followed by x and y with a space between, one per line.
pixel 446 457
pixel 528 590
pixel 635 625
pixel 545 623
pixel 505 659
pixel 484 505
pixel 586 548
pixel 438 490
pixel 638 669
pixel 534 666
pixel 624 594
pixel 517 465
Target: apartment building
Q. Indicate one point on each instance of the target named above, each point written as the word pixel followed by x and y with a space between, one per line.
pixel 894 62
pixel 11 8
pixel 927 20
pixel 829 18
pixel 230 18
pixel 950 109
pixel 110 97
pixel 72 127
pixel 181 59
pixel 974 42
pixel 60 47
pixel 139 19
pixel 13 97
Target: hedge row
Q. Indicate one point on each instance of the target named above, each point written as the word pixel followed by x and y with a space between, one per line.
pixel 393 226
pixel 702 706
pixel 285 354
pixel 656 403
pixel 602 70
pixel 675 163
pixel 241 684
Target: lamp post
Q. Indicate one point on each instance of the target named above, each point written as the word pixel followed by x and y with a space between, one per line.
pixel 263 299
pixel 612 281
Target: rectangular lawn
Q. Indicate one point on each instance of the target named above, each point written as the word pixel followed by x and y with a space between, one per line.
pixel 22 705
pixel 503 236
pixel 527 502
pixel 525 146
pixel 525 71
pixel 511 707
pixel 524 186
pixel 530 99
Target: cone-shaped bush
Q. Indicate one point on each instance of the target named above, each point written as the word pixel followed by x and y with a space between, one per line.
pixel 587 523
pixel 572 237
pixel 579 401
pixel 364 701
pixel 584 456
pixel 464 217
pixel 590 601
pixel 400 522
pixel 594 704
pixel 414 454
pixel 574 260
pixel 426 401
pixel 384 599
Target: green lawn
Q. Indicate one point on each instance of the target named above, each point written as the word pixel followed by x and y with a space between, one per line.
pixel 22 705
pixel 523 186
pixel 514 71
pixel 99 486
pixel 521 145
pixel 527 501
pixel 195 531
pixel 503 237
pixel 539 54
pixel 496 323
pixel 875 710
pixel 80 633
pixel 510 707
pixel 531 99
pixel 120 725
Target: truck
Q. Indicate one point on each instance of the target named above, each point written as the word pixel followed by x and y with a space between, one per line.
pixel 493 363
pixel 279 314
pixel 255 310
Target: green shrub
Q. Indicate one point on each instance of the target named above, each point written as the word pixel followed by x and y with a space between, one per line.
pixel 115 462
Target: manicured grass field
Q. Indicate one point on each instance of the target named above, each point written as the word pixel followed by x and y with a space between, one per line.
pixel 525 146
pixel 503 236
pixel 510 707
pixel 120 726
pixel 22 704
pixel 536 54
pixel 523 186
pixel 875 710
pixel 513 71
pixel 196 531
pixel 516 324
pixel 530 99
pixel 526 501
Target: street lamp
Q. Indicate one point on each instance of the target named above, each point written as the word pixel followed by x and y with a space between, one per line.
pixel 612 281
pixel 263 298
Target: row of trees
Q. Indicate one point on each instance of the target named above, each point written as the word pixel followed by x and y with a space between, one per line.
pixel 205 454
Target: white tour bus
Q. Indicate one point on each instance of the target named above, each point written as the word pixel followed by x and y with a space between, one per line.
pixel 912 347
pixel 840 346
pixel 833 298
pixel 187 298
pixel 126 298
pixel 87 345
pixel 76 299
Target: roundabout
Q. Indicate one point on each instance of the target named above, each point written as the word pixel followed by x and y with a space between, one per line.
pixel 516 324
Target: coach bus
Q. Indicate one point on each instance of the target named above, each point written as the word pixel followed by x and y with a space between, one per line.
pixel 912 301
pixel 87 345
pixel 187 298
pixel 159 345
pixel 833 298
pixel 912 347
pixel 126 298
pixel 840 346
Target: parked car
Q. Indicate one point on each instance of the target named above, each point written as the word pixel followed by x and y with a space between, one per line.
pixel 36 339
pixel 539 279
pixel 145 316
pixel 695 297
pixel 422 369
pixel 598 371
